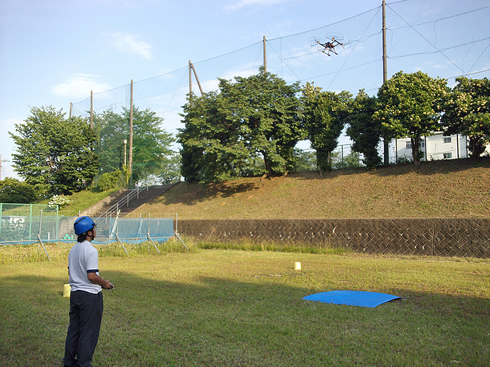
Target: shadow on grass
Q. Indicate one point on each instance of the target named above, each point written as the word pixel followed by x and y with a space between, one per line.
pixel 193 193
pixel 260 321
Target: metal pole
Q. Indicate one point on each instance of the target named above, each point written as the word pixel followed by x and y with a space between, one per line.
pixel 131 138
pixel 125 142
pixel 91 109
pixel 39 238
pixel 190 77
pixel 457 144
pixel 385 78
pixel 385 66
pixel 265 55
pixel 30 221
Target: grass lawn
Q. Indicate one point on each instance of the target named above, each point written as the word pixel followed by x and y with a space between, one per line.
pixel 245 308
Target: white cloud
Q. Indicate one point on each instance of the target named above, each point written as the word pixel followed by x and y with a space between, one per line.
pixel 129 43
pixel 79 86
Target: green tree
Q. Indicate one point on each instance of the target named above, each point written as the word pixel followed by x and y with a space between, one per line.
pixel 54 154
pixel 227 131
pixel 15 191
pixel 213 149
pixel 408 107
pixel 324 118
pixel 151 144
pixel 365 131
pixel 271 118
pixel 305 160
pixel 467 111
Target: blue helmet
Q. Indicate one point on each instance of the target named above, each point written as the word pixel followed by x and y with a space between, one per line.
pixel 83 224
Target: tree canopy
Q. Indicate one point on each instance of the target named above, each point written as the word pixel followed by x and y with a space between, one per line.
pixel 54 154
pixel 151 144
pixel 324 119
pixel 467 111
pixel 249 119
pixel 364 130
pixel 15 191
pixel 408 107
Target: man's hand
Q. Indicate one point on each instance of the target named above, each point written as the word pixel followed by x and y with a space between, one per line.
pixel 108 285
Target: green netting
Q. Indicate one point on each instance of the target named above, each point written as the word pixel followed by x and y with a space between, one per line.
pixel 23 223
pixel 26 224
pixel 133 230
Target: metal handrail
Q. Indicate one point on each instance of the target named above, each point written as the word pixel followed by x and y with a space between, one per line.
pixel 125 200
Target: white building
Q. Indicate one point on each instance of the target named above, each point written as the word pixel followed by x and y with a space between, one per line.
pixel 435 147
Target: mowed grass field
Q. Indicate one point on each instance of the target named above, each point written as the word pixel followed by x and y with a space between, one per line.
pixel 217 307
pixel 245 308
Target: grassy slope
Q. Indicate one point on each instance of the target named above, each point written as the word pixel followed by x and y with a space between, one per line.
pixel 452 189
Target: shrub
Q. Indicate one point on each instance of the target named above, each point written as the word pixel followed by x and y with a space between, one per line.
pixel 15 191
pixel 59 200
pixel 108 181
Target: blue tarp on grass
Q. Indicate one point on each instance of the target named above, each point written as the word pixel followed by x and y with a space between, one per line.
pixel 352 298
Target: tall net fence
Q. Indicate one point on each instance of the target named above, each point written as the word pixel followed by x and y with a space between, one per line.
pixel 27 224
pixel 299 57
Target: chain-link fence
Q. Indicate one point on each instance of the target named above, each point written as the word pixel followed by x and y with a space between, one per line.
pixel 434 236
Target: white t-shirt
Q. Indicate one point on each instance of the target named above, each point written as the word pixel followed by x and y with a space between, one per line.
pixel 83 259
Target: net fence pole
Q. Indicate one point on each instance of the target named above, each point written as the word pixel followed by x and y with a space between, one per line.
pixel 151 239
pixel 120 242
pixel 30 221
pixel 42 244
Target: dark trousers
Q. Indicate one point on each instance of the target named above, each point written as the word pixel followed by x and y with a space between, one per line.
pixel 83 332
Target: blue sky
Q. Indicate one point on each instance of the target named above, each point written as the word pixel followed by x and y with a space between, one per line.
pixel 56 52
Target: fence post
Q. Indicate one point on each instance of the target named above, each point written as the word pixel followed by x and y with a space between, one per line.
pixel 30 221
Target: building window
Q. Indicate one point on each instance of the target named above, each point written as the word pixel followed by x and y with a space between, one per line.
pixel 447 140
pixel 448 155
pixel 409 144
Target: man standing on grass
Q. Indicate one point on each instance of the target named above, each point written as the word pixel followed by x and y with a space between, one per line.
pixel 86 304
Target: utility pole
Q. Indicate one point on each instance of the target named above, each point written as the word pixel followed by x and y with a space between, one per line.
pixel 191 69
pixel 2 160
pixel 91 109
pixel 131 138
pixel 265 55
pixel 71 108
pixel 386 147
pixel 385 65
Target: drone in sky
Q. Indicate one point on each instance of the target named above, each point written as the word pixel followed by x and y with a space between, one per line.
pixel 329 46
